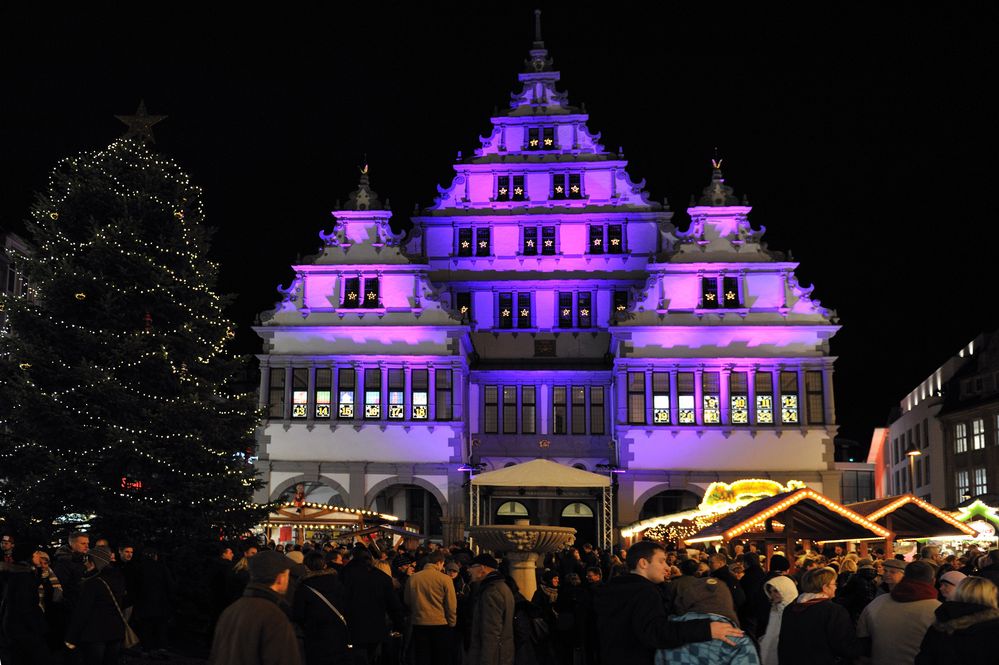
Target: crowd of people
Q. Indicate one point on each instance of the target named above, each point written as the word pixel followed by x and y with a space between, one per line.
pixel 372 604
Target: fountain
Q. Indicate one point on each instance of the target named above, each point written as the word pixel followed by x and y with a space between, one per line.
pixel 522 542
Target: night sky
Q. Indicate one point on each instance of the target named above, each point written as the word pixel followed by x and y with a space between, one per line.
pixel 864 138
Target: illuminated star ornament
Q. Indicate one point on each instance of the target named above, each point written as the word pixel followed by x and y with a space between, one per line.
pixel 503 191
pixel 140 125
pixel 524 312
pixel 464 243
pixel 482 244
pixel 558 189
pixel 548 141
pixel 518 191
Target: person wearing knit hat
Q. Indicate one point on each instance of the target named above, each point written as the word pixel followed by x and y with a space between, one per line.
pixel 96 624
pixel 492 615
pixel 255 629
pixel 949 582
pixel 295 556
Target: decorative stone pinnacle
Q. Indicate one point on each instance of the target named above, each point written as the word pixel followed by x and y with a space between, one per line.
pixel 538 42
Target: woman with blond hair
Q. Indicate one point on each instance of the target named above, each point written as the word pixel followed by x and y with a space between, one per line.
pixel 966 626
pixel 814 629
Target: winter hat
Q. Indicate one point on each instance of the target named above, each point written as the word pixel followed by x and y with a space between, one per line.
pixel 548 576
pixel 101 556
pixel 706 595
pixel 779 562
pixel 896 564
pixel 485 560
pixel 455 566
pixel 952 577
pixel 296 556
pixel 865 563
pixel 402 561
pixel 267 565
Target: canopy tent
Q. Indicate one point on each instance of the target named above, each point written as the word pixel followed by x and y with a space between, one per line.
pixel 788 517
pixel 542 473
pixel 907 516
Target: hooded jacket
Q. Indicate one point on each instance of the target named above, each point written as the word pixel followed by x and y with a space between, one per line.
pixel 788 593
pixel 896 623
pixel 817 631
pixel 961 633
pixel 255 630
pixel 633 622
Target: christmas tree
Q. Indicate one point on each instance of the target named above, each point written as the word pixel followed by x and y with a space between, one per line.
pixel 118 396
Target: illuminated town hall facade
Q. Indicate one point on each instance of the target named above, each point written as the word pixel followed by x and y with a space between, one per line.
pixel 543 306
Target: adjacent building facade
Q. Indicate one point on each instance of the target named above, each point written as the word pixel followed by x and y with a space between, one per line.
pixel 544 306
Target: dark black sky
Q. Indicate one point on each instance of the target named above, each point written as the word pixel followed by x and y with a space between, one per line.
pixel 864 137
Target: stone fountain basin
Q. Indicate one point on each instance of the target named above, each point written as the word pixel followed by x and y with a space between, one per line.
pixel 523 537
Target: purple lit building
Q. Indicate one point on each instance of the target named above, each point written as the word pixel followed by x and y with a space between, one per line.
pixel 543 306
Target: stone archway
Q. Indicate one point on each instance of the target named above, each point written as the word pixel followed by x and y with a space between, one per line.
pixel 665 500
pixel 661 488
pixel 370 495
pixel 339 490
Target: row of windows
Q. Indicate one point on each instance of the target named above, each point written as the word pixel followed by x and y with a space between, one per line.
pixel 904 441
pixel 359 292
pixel 561 186
pixel 977 438
pixel 575 409
pixel 515 309
pixel 742 410
pixel 964 486
pixel 921 472
pixel 541 240
pixel 372 392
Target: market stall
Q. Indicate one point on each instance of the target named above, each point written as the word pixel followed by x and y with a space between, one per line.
pixel 784 519
pixel 298 521
pixel 908 517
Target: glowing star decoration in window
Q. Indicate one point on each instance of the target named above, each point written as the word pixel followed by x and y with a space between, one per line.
pixel 549 142
pixel 597 242
pixel 530 243
pixel 764 409
pixel 621 308
pixel 518 191
pixel 615 241
pixel 483 244
pixel 709 296
pixel 346 404
pixel 465 243
pixel 534 142
pixel 352 296
pixel 464 309
pixel 584 312
pixel 574 189
pixel 505 312
pixel 566 312
pixel 729 296
pixel 370 296
pixel 548 243
pixel 524 312
pixel 559 189
pixel 503 191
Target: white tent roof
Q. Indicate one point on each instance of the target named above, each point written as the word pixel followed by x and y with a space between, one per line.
pixel 540 473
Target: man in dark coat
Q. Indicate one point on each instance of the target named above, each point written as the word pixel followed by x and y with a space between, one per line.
pixel 153 601
pixel 718 563
pixel 757 603
pixel 255 629
pixel 22 620
pixel 70 564
pixel 325 626
pixel 632 618
pixel 96 626
pixel 370 597
pixel 492 615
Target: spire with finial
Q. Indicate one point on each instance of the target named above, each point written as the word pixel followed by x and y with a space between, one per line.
pixel 140 124
pixel 538 42
pixel 717 193
pixel 539 62
pixel 364 198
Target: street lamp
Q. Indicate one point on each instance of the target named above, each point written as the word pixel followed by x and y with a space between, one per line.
pixel 912 453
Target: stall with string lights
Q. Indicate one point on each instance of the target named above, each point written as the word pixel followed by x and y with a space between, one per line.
pixel 784 519
pixel 295 520
pixel 908 517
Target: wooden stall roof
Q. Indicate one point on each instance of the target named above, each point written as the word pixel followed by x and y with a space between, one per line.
pixel 911 517
pixel 813 516
pixel 319 515
pixel 388 528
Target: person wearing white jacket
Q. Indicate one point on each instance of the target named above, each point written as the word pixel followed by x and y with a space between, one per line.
pixel 782 592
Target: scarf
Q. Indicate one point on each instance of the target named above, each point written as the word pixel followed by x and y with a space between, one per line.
pixel 551 592
pixel 908 591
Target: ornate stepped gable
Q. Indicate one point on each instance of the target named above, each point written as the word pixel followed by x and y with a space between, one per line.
pixel 361 276
pixel 719 266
